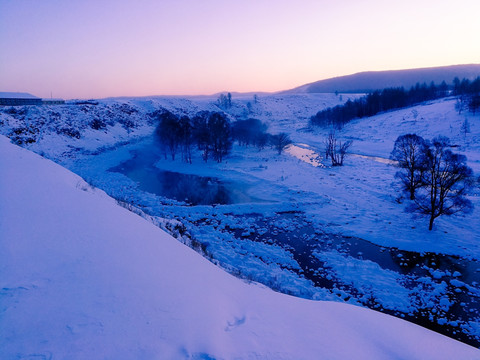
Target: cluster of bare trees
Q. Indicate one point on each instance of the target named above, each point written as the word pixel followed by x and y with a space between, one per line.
pixel 210 131
pixel 212 134
pixel 436 179
pixel 336 150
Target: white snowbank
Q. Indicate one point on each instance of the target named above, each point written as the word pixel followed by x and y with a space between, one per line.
pixel 83 278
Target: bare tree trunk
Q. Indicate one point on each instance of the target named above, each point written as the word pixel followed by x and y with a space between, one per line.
pixel 412 193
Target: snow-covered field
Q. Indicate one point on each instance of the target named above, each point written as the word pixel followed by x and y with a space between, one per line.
pixel 83 278
pixel 335 207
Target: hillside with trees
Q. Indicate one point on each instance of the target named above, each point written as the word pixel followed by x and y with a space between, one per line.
pixel 388 99
pixel 368 81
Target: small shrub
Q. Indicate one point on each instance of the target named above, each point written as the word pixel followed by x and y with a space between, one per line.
pixel 98 124
pixel 73 133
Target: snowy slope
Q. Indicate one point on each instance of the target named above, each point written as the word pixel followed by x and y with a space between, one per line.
pixel 82 278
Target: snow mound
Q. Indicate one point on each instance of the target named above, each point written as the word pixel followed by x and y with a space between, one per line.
pixel 83 278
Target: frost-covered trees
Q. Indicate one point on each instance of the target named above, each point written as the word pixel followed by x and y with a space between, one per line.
pixel 410 151
pixel 436 178
pixel 459 106
pixel 225 101
pixel 335 150
pixel 415 115
pixel 465 127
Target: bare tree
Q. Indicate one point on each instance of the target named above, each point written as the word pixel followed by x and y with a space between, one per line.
pixel 459 105
pixel 410 151
pixel 465 127
pixel 415 115
pixel 446 180
pixel 212 133
pixel 201 133
pixel 335 149
pixel 185 135
pixel 220 131
pixel 167 132
pixel 280 142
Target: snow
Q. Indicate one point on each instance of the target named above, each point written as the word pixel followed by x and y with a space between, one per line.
pixel 366 187
pixel 303 153
pixel 368 275
pixel 358 200
pixel 84 278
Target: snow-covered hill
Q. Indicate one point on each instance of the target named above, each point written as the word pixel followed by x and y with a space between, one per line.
pixel 60 132
pixel 83 278
pixel 372 80
pixel 358 202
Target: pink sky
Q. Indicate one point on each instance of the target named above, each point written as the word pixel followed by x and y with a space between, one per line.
pixel 92 49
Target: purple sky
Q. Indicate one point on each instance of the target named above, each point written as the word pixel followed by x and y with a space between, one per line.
pixel 92 49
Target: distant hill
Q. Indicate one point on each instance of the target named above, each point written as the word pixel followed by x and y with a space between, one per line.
pixel 372 80
pixel 18 95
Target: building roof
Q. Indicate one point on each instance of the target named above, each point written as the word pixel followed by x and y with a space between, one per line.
pixel 17 95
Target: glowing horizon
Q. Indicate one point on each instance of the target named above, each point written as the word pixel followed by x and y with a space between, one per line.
pixel 92 49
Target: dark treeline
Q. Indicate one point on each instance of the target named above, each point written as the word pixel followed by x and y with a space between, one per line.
pixel 466 87
pixel 390 99
pixel 211 133
pixel 468 94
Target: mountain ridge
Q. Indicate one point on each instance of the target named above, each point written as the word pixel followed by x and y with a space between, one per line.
pixel 367 81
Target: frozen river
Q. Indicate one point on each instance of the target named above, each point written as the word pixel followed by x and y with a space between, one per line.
pixel 289 252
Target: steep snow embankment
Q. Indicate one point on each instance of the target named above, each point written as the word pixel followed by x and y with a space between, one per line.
pixel 83 278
